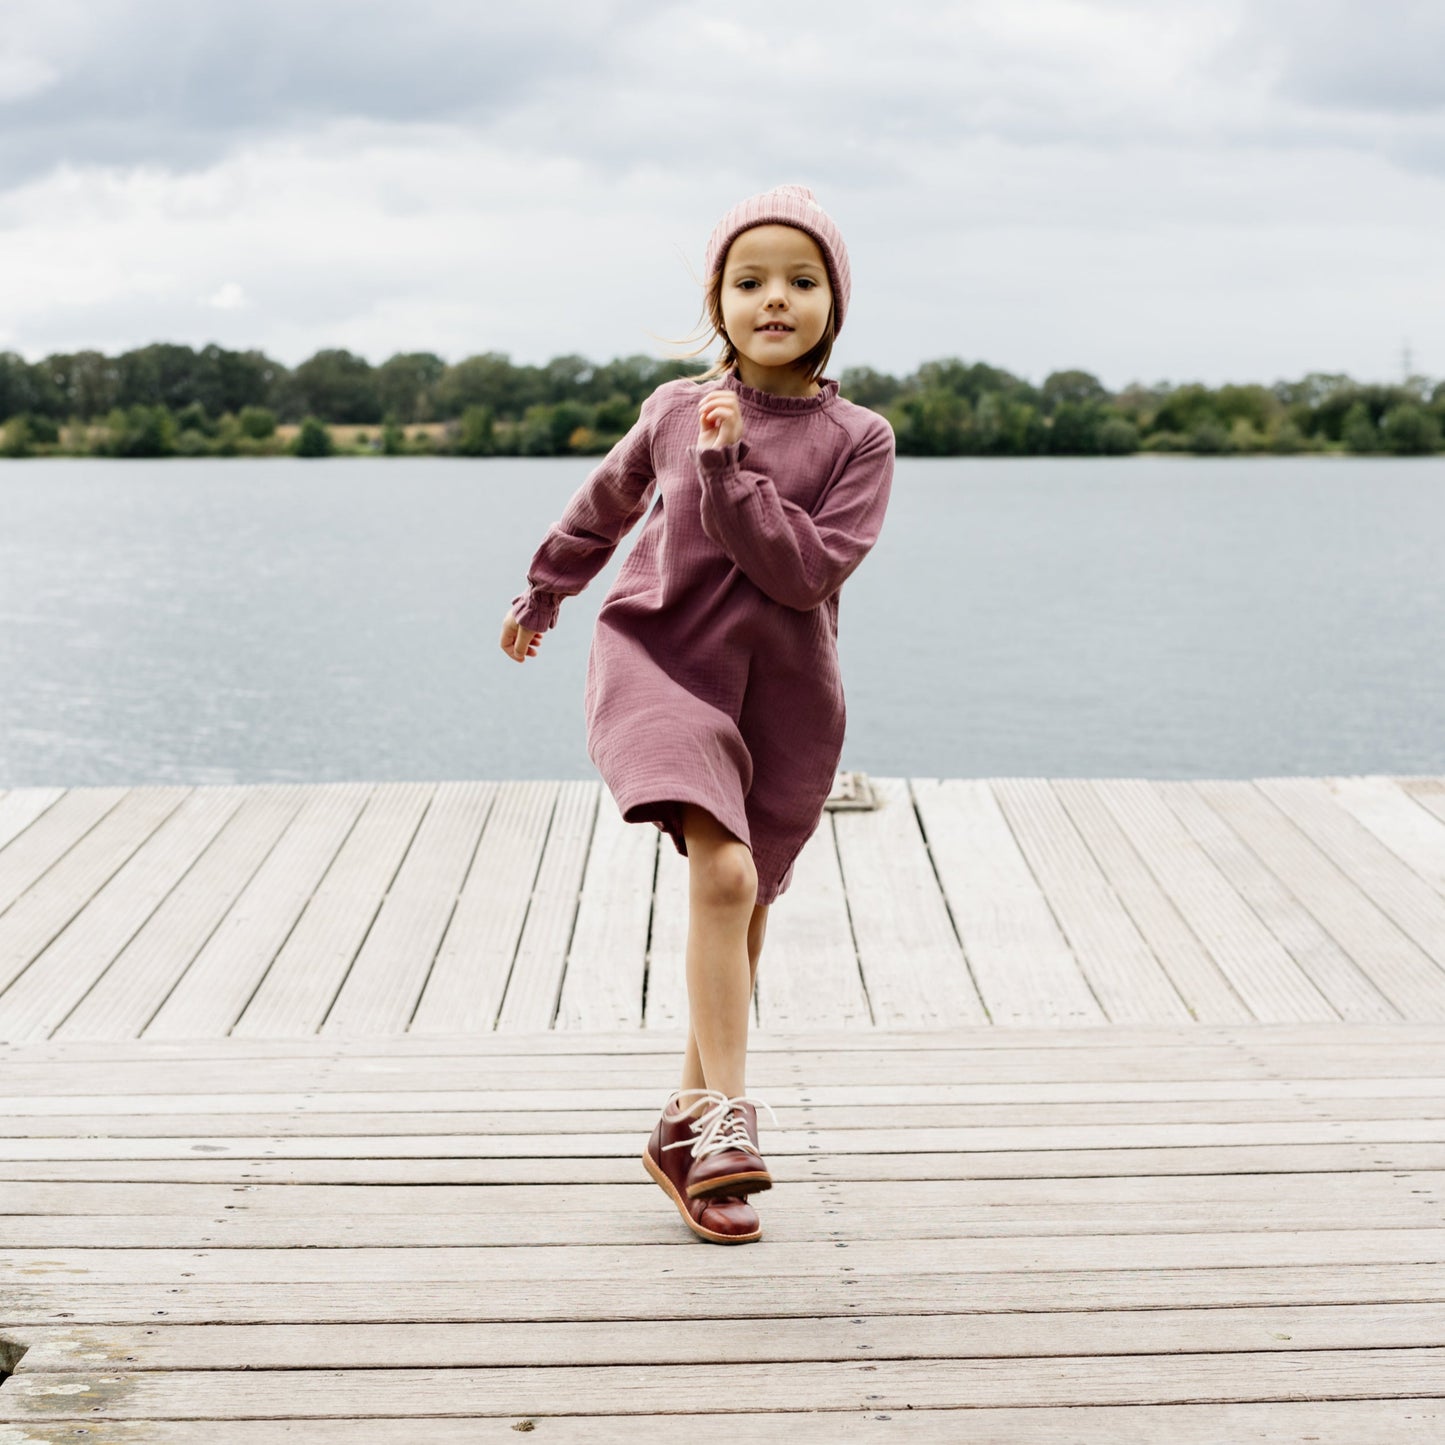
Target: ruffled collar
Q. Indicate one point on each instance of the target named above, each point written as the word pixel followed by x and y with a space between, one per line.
pixel 771 401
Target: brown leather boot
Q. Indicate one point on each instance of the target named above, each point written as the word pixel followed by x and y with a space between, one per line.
pixel 726 1158
pixel 721 1219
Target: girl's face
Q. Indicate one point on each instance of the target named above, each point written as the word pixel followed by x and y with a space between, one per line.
pixel 774 277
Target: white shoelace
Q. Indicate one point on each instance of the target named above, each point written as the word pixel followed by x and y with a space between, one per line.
pixel 722 1126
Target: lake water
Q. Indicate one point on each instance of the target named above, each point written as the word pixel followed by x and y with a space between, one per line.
pixel 253 620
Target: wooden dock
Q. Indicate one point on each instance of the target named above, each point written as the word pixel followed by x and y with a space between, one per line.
pixel 1106 1110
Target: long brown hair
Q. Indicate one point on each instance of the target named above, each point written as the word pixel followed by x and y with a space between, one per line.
pixel 811 364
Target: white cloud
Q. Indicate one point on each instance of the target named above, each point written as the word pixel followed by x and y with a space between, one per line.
pixel 1189 191
pixel 230 297
pixel 24 75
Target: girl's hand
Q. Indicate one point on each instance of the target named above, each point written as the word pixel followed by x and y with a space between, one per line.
pixel 719 419
pixel 517 642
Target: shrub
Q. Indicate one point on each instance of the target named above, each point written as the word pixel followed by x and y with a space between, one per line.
pixel 1288 438
pixel 258 422
pixel 476 433
pixel 1118 437
pixel 1209 437
pixel 393 439
pixel 43 430
pixel 1410 430
pixel 1358 430
pixel 141 431
pixel 193 418
pixel 17 440
pixel 314 439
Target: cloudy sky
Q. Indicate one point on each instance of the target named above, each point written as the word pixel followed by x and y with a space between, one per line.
pixel 1205 189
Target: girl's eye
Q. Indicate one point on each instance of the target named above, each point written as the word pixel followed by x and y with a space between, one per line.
pixel 806 280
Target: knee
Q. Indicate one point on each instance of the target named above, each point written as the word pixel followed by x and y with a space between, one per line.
pixel 725 876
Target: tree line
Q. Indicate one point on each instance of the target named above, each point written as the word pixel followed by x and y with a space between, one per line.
pixel 173 400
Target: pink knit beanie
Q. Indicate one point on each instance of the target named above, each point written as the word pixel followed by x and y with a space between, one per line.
pixel 788 206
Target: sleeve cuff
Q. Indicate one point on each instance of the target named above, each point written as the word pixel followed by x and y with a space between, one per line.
pixel 536 611
pixel 718 461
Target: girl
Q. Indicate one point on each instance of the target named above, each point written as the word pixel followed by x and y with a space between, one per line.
pixel 714 701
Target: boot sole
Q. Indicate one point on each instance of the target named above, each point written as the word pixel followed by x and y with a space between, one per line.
pixel 751 1182
pixel 682 1209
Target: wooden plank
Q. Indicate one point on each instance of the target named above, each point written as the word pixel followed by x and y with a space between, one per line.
pixel 122 1001
pixel 381 989
pixel 535 981
pixel 1257 966
pixel 213 992
pixel 1417 1092
pixel 35 1300
pixel 777 1386
pixel 1351 994
pixel 1207 992
pixel 913 968
pixel 1122 971
pixel 1419 1057
pixel 1021 965
pixel 469 975
pixel 35 919
pixel 983 1164
pixel 808 974
pixel 155 1269
pixel 1333 1422
pixel 777 1142
pixel 995 1199
pixel 303 979
pixel 322 1120
pixel 20 807
pixel 59 977
pixel 632 1220
pixel 548 1344
pixel 50 836
pixel 669 1041
pixel 665 1005
pixel 602 985
pixel 1402 972
pixel 1415 908
pixel 1397 817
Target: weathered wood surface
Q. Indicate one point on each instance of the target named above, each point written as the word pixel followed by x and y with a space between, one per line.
pixel 363 910
pixel 1190 1232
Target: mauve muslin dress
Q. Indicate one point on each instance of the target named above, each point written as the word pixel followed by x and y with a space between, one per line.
pixel 713 676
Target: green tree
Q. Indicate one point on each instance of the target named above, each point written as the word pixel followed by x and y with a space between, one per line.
pixel 1410 430
pixel 476 433
pixel 547 430
pixel 1079 388
pixel 866 387
pixel 1208 436
pixel 393 438
pixel 1288 438
pixel 338 386
pixel 1075 429
pixel 406 385
pixel 1358 431
pixel 314 439
pixel 16 439
pixel 141 431
pixel 935 423
pixel 192 417
pixel 614 416
pixel 17 385
pixel 257 422
pixel 1118 436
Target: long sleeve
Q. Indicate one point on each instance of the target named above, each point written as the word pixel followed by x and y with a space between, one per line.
pixel 601 512
pixel 798 559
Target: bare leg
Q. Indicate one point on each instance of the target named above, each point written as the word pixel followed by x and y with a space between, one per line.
pixel 692 1076
pixel 722 896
